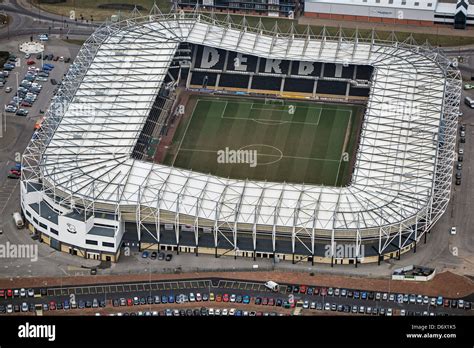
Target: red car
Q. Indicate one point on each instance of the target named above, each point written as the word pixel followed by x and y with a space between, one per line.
pixel 2 293
pixel 324 291
pixel 316 291
pixel 265 301
pixel 302 289
pixel 218 298
pixel 25 103
pixel 129 302
pixel 30 62
pixel 9 293
pixel 225 298
pixel 16 172
pixel 271 302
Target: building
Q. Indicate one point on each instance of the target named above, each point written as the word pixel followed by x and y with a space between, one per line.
pixel 411 12
pixel 272 8
pixel 85 186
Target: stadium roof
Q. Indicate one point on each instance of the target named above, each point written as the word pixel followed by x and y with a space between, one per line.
pixel 95 121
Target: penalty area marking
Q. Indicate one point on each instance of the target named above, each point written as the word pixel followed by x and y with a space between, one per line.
pixel 267 121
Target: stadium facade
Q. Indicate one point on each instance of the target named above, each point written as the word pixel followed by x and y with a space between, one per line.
pixel 459 13
pixel 87 189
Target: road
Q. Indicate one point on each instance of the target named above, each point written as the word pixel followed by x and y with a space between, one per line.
pixel 24 20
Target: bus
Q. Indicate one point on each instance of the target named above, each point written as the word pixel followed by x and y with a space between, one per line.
pixel 469 102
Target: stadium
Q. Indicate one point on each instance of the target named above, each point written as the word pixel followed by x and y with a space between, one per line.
pixel 127 154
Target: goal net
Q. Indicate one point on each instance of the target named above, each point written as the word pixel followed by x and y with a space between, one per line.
pixel 274 101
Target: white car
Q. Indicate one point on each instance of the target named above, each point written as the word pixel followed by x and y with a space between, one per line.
pixel 27 55
pixel 403 312
pixel 461 151
pixel 211 311
pixel 9 308
pixel 225 311
pixel 453 230
pixel 24 307
pixel 327 307
pixel 192 298
pixel 389 312
pixel 31 293
pixel 218 312
pixel 43 37
pixel 232 298
pixel 232 311
pixel 198 297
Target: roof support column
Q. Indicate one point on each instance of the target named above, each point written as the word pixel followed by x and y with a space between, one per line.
pixel 176 224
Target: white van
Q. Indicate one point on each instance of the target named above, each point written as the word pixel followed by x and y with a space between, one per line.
pixel 18 220
pixel 272 285
pixel 469 101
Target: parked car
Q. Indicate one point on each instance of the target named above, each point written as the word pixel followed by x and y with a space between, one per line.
pixel 145 254
pixel 169 257
pixel 8 89
pixel 22 112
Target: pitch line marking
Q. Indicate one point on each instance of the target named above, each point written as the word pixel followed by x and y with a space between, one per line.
pixel 185 132
pixel 343 148
pixel 269 155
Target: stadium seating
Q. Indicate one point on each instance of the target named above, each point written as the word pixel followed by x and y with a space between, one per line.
pixel 299 85
pixel 331 87
pixel 266 82
pixel 234 80
pixel 267 74
pixel 204 79
pixel 243 63
pixel 274 66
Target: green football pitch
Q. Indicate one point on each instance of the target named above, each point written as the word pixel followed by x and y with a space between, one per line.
pixel 283 140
